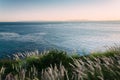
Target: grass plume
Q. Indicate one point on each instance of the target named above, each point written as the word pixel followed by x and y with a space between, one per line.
pixel 58 65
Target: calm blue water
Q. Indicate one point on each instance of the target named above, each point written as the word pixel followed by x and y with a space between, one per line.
pixel 79 36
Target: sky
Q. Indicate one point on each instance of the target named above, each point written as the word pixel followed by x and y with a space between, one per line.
pixel 59 10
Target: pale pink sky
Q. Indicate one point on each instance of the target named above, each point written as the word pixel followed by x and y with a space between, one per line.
pixel 105 10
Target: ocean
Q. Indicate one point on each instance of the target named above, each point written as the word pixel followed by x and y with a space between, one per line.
pixel 85 36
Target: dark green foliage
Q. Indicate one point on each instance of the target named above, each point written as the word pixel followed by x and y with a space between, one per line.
pixel 95 66
pixel 54 57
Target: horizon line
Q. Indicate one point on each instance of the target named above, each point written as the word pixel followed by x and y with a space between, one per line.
pixel 64 21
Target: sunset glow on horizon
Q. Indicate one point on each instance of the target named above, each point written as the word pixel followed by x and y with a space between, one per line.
pixel 59 10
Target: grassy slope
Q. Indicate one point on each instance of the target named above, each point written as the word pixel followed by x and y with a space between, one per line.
pixel 58 65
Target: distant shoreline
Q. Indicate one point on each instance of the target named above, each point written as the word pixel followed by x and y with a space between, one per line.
pixel 55 22
pixel 61 21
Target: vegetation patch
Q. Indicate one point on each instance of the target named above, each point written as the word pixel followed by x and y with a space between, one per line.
pixel 59 65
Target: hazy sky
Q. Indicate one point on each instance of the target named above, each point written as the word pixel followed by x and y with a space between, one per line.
pixel 60 10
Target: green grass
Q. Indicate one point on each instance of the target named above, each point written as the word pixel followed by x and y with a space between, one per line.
pixel 59 65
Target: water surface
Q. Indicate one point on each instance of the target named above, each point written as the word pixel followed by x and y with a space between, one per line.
pixel 79 36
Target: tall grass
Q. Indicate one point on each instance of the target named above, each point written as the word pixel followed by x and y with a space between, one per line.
pixel 58 65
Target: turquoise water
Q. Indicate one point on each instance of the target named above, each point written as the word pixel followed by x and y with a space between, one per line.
pixel 70 36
